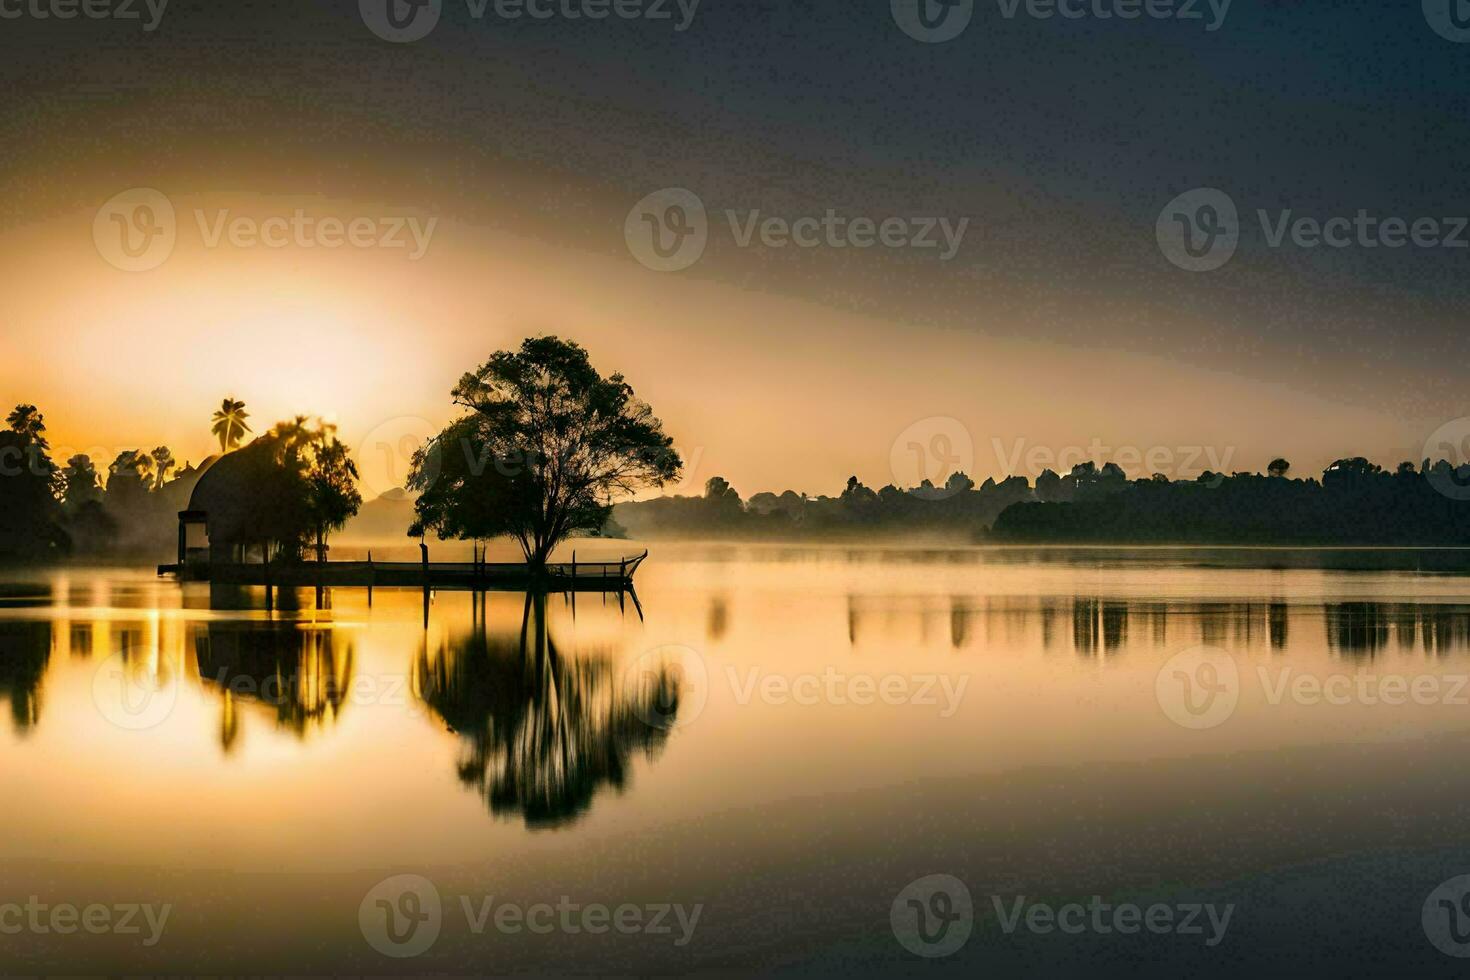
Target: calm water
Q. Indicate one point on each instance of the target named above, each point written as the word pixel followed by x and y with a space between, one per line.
pixel 772 750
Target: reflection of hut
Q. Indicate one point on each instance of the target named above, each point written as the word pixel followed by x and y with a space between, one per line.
pixel 304 674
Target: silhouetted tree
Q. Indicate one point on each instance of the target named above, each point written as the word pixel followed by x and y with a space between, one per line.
pixel 28 423
pixel 163 465
pixel 80 485
pixel 128 472
pixel 284 490
pixel 719 489
pixel 30 511
pixel 334 497
pixel 1048 485
pixel 547 446
pixel 229 424
pixel 958 483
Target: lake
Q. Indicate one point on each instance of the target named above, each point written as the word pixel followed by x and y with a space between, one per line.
pixel 780 758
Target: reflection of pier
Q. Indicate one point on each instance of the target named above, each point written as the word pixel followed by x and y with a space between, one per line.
pixel 569 576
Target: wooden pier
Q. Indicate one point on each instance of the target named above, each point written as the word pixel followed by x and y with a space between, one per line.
pixel 572 576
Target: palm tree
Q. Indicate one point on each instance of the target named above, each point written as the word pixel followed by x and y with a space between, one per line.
pixel 163 464
pixel 28 422
pixel 229 424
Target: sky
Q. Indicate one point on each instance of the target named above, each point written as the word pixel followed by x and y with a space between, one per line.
pixel 1044 157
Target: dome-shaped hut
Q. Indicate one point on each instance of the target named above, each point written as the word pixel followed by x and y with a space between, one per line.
pixel 247 498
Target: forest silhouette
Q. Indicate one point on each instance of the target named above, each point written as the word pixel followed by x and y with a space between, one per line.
pixel 546 448
pixel 1355 502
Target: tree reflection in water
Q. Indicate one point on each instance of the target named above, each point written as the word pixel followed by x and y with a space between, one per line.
pixel 25 652
pixel 542 733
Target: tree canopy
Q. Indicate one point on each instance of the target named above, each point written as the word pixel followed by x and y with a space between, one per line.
pixel 293 484
pixel 546 447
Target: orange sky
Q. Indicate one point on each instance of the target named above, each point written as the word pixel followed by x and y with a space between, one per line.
pixel 765 389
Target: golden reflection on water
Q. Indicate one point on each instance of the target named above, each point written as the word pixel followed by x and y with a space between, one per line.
pixel 505 715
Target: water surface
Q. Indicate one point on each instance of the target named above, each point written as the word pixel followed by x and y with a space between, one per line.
pixel 784 736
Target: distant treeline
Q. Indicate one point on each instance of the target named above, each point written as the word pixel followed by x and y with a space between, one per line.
pixel 1355 502
pixel 50 509
pixel 300 485
pixel 958 507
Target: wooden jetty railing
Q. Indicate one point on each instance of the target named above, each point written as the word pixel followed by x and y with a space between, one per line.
pixel 556 576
